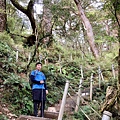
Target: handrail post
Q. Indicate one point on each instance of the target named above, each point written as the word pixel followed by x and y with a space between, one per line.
pixel 63 101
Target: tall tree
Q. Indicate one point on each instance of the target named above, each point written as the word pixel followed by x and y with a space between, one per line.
pixel 2 15
pixel 88 27
pixel 29 12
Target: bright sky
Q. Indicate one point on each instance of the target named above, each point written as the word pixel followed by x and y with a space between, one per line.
pixel 38 8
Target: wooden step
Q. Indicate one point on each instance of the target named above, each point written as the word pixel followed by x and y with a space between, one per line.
pixel 25 117
pixel 51 115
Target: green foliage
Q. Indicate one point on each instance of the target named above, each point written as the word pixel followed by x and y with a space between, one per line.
pixel 88 111
pixel 71 72
pixel 79 115
pixel 3 117
pixel 18 93
pixel 5 38
pixel 11 23
pixel 55 83
pixel 6 47
pixel 17 90
pixel 14 20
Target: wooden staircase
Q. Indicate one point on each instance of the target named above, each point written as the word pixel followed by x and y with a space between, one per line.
pixel 53 112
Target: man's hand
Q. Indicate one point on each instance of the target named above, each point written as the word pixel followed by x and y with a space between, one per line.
pixel 41 81
pixel 46 91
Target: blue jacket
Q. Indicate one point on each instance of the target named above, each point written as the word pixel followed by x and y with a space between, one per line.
pixel 36 76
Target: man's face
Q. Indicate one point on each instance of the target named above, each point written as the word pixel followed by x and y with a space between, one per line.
pixel 38 66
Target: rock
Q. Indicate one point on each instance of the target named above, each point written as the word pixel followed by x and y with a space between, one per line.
pixel 51 109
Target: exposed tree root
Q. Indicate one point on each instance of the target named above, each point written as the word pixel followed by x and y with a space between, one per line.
pixel 111 103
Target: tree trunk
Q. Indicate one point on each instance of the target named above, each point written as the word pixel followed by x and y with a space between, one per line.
pixel 2 15
pixel 117 16
pixel 47 21
pixel 28 12
pixel 88 27
pixel 119 72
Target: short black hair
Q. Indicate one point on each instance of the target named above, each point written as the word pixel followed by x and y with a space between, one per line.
pixel 38 63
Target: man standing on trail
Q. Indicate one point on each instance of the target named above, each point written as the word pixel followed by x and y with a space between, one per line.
pixel 39 89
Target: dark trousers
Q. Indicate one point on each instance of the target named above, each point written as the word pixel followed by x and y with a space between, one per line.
pixel 39 98
pixel 39 105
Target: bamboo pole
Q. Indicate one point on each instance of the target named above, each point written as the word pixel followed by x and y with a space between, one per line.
pixel 59 57
pixel 101 78
pixel 113 71
pixel 101 74
pixel 79 96
pixel 63 101
pixel 60 64
pixel 91 86
pixel 71 57
pixel 40 57
pixel 60 69
pixel 81 72
pixel 29 57
pixel 79 90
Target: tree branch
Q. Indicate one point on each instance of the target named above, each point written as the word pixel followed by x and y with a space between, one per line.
pixel 35 50
pixel 28 11
pixel 18 6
